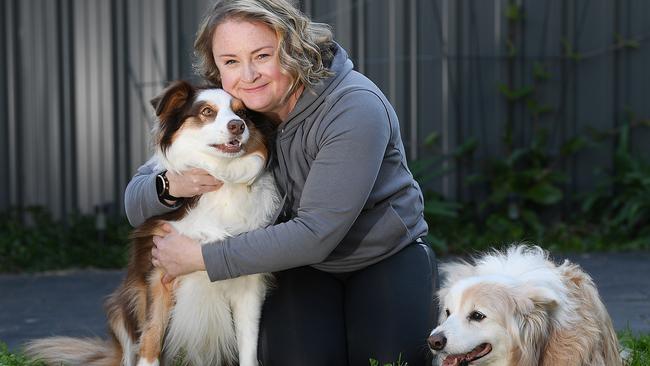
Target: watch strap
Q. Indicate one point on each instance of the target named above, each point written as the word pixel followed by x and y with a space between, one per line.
pixel 162 187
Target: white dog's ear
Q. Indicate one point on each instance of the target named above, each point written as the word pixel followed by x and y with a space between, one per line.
pixel 531 327
pixel 537 298
pixel 453 272
pixel 543 297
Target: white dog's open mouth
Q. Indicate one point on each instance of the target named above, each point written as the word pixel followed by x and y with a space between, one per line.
pixel 467 358
pixel 232 146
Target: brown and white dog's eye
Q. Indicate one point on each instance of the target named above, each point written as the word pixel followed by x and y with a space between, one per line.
pixel 476 316
pixel 207 112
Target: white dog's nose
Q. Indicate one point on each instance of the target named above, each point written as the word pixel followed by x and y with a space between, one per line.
pixel 236 126
pixel 437 341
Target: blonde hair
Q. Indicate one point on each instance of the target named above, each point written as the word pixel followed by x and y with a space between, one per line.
pixel 305 48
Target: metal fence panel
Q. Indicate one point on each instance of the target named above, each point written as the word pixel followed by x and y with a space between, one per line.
pixel 4 108
pixel 432 97
pixel 77 76
pixel 594 29
pixel 633 76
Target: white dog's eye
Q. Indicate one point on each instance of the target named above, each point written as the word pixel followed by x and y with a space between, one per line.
pixel 476 316
pixel 447 311
pixel 207 112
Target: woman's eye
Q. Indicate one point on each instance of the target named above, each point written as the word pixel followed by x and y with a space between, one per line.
pixel 476 316
pixel 207 112
pixel 229 62
pixel 263 56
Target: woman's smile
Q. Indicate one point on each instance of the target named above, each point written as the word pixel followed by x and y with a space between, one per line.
pixel 255 89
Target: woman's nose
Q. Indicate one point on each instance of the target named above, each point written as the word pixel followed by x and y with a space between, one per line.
pixel 249 73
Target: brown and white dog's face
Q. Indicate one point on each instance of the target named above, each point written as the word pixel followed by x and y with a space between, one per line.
pixel 197 127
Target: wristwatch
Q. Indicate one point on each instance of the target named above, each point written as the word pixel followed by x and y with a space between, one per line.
pixel 162 188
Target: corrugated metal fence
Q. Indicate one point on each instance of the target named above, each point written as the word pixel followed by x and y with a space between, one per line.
pixel 76 77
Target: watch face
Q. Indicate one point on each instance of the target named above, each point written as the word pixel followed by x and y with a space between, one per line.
pixel 160 183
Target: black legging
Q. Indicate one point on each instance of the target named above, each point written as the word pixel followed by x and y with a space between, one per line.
pixel 314 318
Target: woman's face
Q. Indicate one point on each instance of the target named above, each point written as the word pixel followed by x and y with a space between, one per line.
pixel 246 54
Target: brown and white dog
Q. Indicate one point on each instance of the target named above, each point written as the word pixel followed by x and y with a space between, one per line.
pixel 203 322
pixel 517 308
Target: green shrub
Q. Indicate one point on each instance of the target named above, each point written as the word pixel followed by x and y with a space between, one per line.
pixel 31 240
pixel 524 196
pixel 620 205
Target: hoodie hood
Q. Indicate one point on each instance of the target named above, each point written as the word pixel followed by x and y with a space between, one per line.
pixel 314 95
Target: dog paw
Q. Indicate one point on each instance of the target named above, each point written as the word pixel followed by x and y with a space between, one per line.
pixel 244 171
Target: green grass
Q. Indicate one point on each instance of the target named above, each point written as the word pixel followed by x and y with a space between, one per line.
pixel 638 347
pixel 399 362
pixel 10 359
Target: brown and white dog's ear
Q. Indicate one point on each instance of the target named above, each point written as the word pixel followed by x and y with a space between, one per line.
pixel 172 99
pixel 170 107
pixel 155 101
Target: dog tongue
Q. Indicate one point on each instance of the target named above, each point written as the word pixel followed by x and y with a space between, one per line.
pixel 465 359
pixel 453 360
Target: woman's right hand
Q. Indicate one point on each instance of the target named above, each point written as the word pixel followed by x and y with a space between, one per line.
pixel 190 183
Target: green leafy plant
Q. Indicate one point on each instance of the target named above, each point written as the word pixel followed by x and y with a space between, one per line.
pixel 636 348
pixel 519 187
pixel 620 205
pixel 569 51
pixel 11 359
pixel 399 362
pixel 621 42
pixel 438 211
pixel 32 240
pixel 523 186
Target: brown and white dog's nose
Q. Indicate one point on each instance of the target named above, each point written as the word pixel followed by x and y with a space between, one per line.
pixel 236 126
pixel 437 341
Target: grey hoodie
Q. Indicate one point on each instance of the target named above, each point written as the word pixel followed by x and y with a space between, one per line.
pixel 350 200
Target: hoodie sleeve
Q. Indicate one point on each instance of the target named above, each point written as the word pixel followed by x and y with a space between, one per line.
pixel 140 197
pixel 353 138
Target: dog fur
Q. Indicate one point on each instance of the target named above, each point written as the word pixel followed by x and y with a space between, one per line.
pixel 207 323
pixel 518 308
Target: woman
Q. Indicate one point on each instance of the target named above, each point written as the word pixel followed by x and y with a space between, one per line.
pixel 353 279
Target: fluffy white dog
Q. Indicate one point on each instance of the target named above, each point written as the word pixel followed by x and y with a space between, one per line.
pixel 519 308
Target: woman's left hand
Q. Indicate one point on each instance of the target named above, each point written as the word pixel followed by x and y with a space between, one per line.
pixel 176 254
